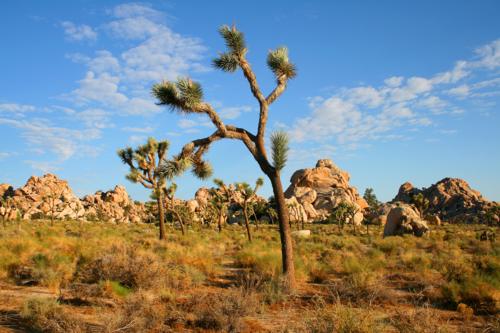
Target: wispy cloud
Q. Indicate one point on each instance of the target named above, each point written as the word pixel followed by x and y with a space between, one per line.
pixel 76 32
pixel 366 113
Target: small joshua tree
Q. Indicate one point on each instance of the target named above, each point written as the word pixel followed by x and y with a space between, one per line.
pixel 221 197
pixel 248 193
pixel 149 167
pixel 186 96
pixel 421 203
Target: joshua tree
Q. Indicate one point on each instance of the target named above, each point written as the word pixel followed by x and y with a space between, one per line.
pixel 186 96
pixel 221 198
pixel 248 193
pixel 172 208
pixel 149 167
pixel 421 203
pixel 342 213
pixel 52 198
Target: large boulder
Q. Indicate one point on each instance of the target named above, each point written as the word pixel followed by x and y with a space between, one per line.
pixel 114 206
pixel 451 199
pixel 404 219
pixel 322 188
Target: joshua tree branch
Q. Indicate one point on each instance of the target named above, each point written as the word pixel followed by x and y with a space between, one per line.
pixel 280 88
pixel 252 80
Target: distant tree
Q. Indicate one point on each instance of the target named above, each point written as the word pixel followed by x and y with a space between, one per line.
pixel 221 198
pixel 186 96
pixel 371 199
pixel 421 203
pixel 52 198
pixel 149 167
pixel 248 193
pixel 343 213
pixel 172 208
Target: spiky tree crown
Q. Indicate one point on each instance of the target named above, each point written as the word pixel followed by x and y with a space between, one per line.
pixel 279 147
pixel 280 65
pixel 183 95
pixel 148 165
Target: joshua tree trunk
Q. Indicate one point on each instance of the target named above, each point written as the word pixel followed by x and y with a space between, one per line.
pixel 161 214
pixel 284 227
pixel 256 219
pixel 219 220
pixel 247 225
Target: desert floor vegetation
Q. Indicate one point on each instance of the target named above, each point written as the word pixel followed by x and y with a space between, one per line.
pixel 99 277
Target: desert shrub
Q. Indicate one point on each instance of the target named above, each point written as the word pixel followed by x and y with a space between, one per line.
pixel 260 259
pixel 224 312
pixel 125 265
pixel 474 292
pixel 46 315
pixel 336 318
pixel 140 312
pixel 420 320
pixel 51 270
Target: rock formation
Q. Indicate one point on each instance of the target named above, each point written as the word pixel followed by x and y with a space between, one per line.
pixel 451 199
pixel 404 219
pixel 319 190
pixel 50 197
pixel 47 196
pixel 114 206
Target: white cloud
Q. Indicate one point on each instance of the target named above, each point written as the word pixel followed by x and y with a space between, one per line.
pixel 234 112
pixel 368 96
pixel 94 118
pixel 44 137
pixel 460 91
pixel 394 81
pixel 102 88
pixel 16 109
pixel 43 166
pixel 147 129
pixel 78 32
pixel 489 55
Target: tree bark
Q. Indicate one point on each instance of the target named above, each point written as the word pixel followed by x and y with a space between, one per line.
pixel 285 235
pixel 161 214
pixel 247 225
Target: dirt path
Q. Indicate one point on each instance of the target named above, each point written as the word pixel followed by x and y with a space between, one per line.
pixel 12 298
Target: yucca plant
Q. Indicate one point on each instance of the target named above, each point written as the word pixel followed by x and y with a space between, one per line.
pixel 186 96
pixel 149 167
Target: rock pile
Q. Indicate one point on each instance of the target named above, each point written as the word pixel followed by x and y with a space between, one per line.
pixel 47 196
pixel 451 199
pixel 321 189
pixel 113 206
pixel 50 197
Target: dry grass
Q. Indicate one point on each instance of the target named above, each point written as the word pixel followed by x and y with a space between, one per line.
pixel 125 280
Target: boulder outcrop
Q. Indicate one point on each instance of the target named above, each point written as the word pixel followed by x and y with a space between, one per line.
pixel 321 189
pixel 47 196
pixel 451 199
pixel 114 206
pixel 404 219
pixel 50 197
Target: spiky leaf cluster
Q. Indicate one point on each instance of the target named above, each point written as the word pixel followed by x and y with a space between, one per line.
pixel 279 147
pixel 202 169
pixel 182 95
pixel 227 62
pixel 278 62
pixel 169 169
pixel 235 40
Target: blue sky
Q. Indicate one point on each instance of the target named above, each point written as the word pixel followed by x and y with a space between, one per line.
pixel 391 91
